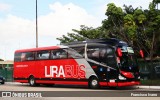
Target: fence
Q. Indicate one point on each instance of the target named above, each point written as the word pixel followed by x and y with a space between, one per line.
pixel 6 70
pixel 150 72
pixel 7 73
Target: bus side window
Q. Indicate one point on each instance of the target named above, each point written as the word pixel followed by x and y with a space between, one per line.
pixel 59 54
pixel 93 53
pixel 23 56
pixel 54 54
pixel 30 56
pixel 63 54
pixel 73 54
pixel 103 55
pixel 43 54
pixel 110 57
pixel 79 50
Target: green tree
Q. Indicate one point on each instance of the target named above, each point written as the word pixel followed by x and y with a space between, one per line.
pixel 138 27
pixel 83 34
pixel 113 25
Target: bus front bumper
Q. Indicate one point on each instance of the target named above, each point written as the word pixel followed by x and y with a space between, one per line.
pixel 132 83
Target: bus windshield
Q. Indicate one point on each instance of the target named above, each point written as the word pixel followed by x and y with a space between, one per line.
pixel 128 60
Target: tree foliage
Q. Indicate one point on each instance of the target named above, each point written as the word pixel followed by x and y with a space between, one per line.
pixel 83 34
pixel 138 27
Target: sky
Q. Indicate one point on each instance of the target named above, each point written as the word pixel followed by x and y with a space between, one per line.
pixel 55 18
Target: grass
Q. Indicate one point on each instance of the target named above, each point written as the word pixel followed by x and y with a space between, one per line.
pixel 150 82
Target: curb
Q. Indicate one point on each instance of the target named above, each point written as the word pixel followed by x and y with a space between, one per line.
pixel 149 87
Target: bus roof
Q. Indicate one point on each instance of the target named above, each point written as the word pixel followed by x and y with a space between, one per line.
pixel 41 48
pixel 112 41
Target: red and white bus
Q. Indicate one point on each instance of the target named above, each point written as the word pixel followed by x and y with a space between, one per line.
pixel 93 62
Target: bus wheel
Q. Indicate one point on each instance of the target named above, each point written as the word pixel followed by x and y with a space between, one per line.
pixel 32 81
pixel 93 83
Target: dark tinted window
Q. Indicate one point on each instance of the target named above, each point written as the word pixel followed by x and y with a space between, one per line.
pixel 43 54
pixel 29 56
pixel 110 57
pixel 17 57
pixel 73 53
pixel 24 56
pixel 102 54
pixel 93 53
pixel 59 54
pixel 79 50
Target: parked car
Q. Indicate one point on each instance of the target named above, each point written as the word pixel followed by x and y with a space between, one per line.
pixel 2 80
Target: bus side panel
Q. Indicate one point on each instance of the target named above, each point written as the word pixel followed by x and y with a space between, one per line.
pixel 22 70
pixel 58 71
pixel 88 68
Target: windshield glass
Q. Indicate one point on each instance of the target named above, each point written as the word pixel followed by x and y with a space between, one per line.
pixel 128 61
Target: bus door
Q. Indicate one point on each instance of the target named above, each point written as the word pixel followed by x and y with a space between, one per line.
pixel 109 58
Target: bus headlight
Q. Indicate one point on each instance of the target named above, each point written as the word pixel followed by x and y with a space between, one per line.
pixel 121 77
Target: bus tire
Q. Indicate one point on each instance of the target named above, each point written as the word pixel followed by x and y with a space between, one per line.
pixel 32 81
pixel 93 83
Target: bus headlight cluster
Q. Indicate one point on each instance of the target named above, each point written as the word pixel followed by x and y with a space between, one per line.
pixel 121 77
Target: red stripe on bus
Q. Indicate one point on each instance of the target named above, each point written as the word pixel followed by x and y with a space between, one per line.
pixel 120 84
pixel 103 83
pixel 112 84
pixel 62 82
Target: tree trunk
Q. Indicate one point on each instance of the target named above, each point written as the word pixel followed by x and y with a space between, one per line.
pixel 151 56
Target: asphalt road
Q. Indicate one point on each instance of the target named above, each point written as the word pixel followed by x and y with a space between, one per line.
pixel 14 86
pixel 61 92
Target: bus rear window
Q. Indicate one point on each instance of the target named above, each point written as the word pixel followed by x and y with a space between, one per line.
pixel 17 57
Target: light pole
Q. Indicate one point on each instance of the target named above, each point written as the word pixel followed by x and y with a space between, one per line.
pixel 36 27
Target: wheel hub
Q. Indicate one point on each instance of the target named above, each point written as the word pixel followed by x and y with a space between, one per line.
pixel 94 82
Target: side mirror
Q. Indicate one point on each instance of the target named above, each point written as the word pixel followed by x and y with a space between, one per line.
pixel 141 53
pixel 119 51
